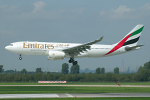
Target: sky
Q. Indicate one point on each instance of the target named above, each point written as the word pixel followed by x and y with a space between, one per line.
pixel 73 21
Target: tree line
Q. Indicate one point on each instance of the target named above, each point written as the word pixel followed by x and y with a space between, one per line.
pixel 143 74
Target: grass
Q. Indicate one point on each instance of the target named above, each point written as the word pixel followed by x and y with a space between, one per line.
pixel 103 98
pixel 66 89
pixel 79 83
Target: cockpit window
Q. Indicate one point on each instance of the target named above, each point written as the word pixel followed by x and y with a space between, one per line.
pixel 11 44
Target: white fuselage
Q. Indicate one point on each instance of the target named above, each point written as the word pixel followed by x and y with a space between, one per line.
pixel 43 48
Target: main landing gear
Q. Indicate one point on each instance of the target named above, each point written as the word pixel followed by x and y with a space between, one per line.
pixel 72 61
pixel 20 58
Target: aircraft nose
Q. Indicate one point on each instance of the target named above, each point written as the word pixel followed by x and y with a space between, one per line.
pixel 7 48
pixel 10 48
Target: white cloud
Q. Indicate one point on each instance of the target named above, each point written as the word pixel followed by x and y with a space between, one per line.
pixel 38 10
pixel 122 12
pixel 77 10
pixel 146 6
pixel 8 32
pixel 38 6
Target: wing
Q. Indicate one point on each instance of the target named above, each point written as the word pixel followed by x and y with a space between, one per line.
pixel 80 48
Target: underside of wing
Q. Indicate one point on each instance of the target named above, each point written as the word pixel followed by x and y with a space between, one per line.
pixel 76 50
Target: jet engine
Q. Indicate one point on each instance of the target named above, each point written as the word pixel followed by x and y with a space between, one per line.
pixel 56 55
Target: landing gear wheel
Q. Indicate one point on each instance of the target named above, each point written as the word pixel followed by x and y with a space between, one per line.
pixel 75 63
pixel 20 58
pixel 71 60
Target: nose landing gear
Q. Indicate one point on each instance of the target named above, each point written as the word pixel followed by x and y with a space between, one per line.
pixel 20 58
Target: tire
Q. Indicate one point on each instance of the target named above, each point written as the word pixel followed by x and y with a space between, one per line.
pixel 20 58
pixel 71 60
pixel 75 63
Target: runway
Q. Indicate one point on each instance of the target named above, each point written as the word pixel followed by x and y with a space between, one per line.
pixel 73 95
pixel 76 95
pixel 87 85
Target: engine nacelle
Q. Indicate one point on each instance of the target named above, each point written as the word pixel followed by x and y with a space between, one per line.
pixel 56 55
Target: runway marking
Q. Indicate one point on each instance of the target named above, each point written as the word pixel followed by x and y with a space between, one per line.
pixel 71 95
pixel 2 96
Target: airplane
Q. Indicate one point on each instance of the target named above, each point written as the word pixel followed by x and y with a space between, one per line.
pixel 57 51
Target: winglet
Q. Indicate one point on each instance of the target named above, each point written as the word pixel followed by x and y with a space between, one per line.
pixel 93 42
pixel 100 38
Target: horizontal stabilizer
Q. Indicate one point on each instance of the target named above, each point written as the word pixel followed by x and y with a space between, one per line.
pixel 133 48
